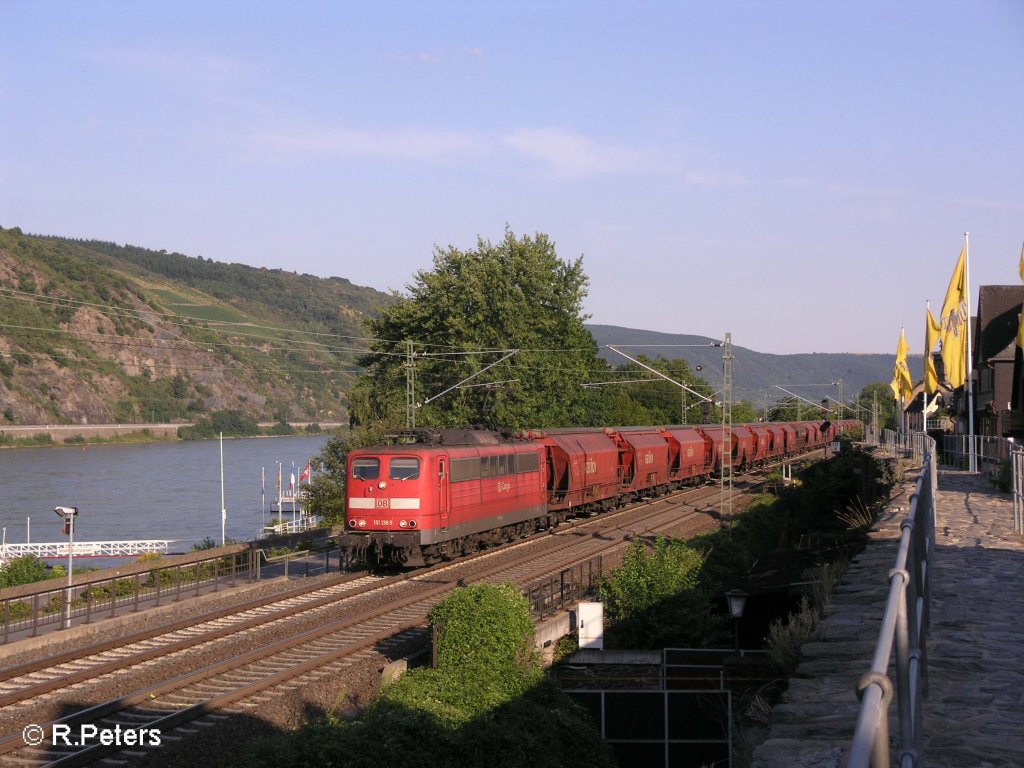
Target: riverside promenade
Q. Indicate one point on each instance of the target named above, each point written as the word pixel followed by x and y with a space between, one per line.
pixel 974 711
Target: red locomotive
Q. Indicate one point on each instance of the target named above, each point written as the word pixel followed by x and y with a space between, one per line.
pixel 437 494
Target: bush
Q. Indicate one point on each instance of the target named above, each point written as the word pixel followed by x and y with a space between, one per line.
pixel 1003 478
pixel 486 632
pixel 653 600
pixel 24 570
pixel 786 637
pixel 487 703
pixel 18 611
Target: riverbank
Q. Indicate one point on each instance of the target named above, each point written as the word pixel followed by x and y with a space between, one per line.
pixel 43 435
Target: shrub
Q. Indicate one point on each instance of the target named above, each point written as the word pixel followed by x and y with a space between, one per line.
pixel 481 706
pixel 24 570
pixel 653 600
pixel 17 611
pixel 786 637
pixel 1003 478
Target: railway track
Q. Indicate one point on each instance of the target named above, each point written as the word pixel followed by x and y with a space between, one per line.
pixel 296 640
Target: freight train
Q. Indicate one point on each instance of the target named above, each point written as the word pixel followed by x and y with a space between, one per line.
pixel 438 494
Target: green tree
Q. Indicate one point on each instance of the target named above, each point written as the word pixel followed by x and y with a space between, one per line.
pixel 653 600
pixel 791 409
pixel 466 314
pixel 643 398
pixel 868 397
pixel 744 412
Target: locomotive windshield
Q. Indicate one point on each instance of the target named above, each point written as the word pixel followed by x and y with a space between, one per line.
pixel 404 469
pixel 366 469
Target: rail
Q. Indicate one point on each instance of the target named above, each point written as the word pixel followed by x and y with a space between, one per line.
pixel 33 607
pixel 552 594
pixel 908 444
pixel 299 525
pixel 1017 469
pixel 55 549
pixel 987 449
pixel 905 625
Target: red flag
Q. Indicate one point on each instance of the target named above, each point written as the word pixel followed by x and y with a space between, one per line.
pixel 305 472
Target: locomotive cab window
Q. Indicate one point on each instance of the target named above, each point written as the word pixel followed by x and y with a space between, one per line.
pixel 366 469
pixel 404 469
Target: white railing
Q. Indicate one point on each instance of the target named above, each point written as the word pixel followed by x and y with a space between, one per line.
pixel 300 524
pixel 55 549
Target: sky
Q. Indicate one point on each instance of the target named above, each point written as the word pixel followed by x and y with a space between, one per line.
pixel 799 174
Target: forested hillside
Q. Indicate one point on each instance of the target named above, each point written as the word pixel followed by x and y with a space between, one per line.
pixel 93 332
pixel 758 373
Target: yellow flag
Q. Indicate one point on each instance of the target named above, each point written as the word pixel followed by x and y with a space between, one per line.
pixel 932 331
pixel 902 385
pixel 955 325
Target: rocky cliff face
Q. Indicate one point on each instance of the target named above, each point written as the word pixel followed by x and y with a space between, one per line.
pixel 82 341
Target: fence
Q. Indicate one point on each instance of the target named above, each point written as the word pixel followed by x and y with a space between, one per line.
pixel 33 607
pixel 990 451
pixel 909 444
pixel 553 594
pixel 905 623
pixel 300 524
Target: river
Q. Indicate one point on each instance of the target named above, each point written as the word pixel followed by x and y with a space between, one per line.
pixel 149 491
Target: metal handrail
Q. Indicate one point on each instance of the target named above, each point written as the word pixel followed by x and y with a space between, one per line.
pixel 1017 468
pixel 905 625
pixel 910 444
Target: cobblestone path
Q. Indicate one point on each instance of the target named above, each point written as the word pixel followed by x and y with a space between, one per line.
pixel 974 712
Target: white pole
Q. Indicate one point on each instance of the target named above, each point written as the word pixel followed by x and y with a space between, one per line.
pixel 263 493
pixel 223 509
pixel 28 530
pixel 969 365
pixel 71 570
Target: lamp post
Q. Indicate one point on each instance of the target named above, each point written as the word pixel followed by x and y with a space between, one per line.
pixel 68 514
pixel 737 602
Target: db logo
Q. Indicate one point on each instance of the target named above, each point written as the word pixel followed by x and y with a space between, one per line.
pixel 383 503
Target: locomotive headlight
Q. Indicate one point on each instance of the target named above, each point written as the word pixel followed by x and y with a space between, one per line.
pixel 352 523
pixel 402 523
pixel 362 523
pixel 382 485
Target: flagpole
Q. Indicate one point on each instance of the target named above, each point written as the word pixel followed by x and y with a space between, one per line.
pixel 223 509
pixel 969 363
pixel 924 388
